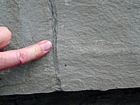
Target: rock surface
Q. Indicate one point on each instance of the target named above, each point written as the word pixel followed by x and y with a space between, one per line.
pixel 29 23
pixel 95 45
pixel 98 44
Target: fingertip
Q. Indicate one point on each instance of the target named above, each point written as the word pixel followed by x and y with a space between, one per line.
pixel 6 31
pixel 45 45
pixel 49 43
pixel 5 36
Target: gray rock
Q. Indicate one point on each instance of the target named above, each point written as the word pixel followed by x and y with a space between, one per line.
pixel 95 45
pixel 98 44
pixel 29 22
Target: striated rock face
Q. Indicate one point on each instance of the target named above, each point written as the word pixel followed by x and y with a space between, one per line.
pixel 96 45
pixel 30 22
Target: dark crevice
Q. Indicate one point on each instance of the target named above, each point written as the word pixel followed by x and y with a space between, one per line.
pixel 53 11
pixel 91 97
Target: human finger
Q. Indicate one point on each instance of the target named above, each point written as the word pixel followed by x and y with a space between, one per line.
pixel 5 36
pixel 13 58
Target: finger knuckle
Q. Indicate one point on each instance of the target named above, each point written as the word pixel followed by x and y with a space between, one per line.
pixel 36 51
pixel 21 57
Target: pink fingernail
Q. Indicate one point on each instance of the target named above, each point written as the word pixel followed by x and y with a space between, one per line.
pixel 46 45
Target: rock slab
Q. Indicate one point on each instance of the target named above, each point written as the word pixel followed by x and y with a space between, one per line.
pixel 29 22
pixel 95 45
pixel 98 44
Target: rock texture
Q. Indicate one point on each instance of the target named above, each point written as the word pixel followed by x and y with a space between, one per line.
pixel 95 44
pixel 30 22
pixel 98 44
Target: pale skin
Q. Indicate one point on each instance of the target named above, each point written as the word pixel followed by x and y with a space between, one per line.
pixel 9 59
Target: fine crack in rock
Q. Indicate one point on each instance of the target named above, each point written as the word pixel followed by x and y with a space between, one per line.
pixel 54 29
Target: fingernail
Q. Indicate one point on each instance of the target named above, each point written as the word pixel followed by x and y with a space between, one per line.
pixel 46 45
